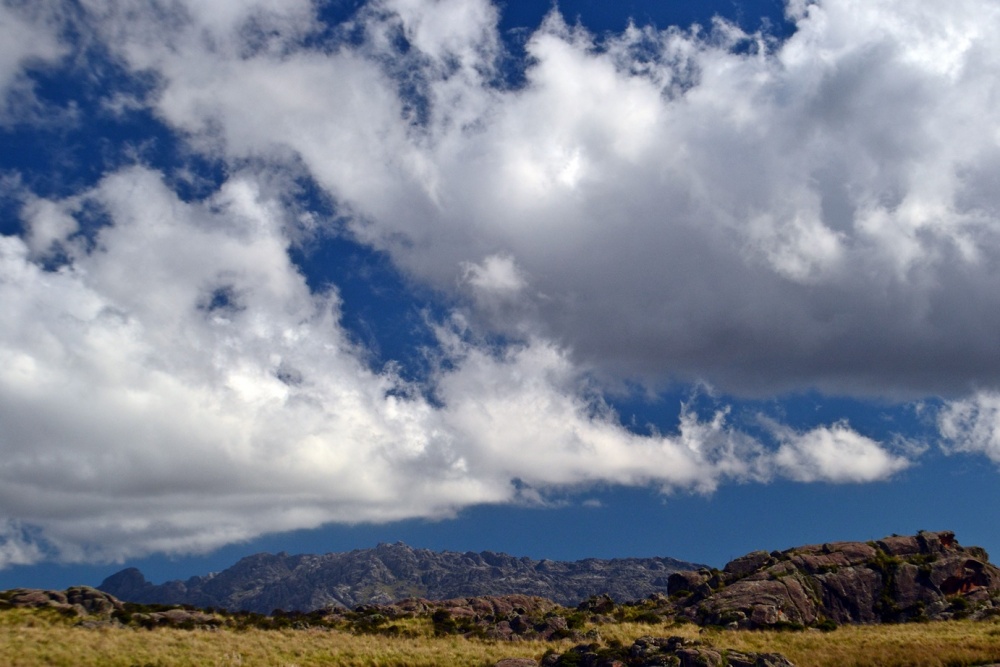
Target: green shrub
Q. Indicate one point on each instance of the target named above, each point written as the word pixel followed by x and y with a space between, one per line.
pixel 827 625
pixel 787 626
pixel 959 606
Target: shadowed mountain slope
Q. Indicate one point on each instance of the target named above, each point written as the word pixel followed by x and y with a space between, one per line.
pixel 389 572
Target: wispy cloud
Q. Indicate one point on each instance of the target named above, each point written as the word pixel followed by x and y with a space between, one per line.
pixel 972 425
pixel 30 40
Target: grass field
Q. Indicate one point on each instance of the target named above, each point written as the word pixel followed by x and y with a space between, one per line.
pixel 33 638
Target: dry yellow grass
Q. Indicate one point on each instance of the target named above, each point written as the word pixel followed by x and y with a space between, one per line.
pixel 33 639
pixel 936 644
pixel 78 647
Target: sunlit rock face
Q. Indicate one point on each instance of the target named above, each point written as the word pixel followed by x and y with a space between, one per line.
pixel 923 576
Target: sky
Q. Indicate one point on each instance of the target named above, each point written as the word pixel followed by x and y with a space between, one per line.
pixel 586 279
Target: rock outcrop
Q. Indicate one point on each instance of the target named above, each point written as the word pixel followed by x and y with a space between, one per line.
pixel 391 572
pixel 75 601
pixel 97 608
pixel 924 576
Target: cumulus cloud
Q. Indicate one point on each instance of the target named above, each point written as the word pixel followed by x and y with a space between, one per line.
pixel 763 215
pixel 693 204
pixel 173 385
pixel 834 454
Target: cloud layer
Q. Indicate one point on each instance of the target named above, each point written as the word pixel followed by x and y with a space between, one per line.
pixel 174 386
pixel 765 216
pixel 819 213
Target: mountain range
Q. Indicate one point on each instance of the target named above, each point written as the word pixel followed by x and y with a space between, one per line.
pixel 389 572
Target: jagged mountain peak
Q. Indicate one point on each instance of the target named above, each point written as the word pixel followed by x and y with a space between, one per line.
pixel 392 571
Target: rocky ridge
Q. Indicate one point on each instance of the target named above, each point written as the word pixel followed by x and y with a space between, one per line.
pixel 390 572
pixel 927 576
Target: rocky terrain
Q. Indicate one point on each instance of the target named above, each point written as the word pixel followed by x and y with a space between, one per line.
pixel 923 577
pixel 75 601
pixel 390 572
pixel 899 578
pixel 927 576
pixel 510 618
pixel 655 652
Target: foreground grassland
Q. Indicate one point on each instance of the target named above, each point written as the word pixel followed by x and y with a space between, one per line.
pixel 35 638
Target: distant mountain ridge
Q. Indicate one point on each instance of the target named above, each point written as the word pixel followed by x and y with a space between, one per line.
pixel 389 572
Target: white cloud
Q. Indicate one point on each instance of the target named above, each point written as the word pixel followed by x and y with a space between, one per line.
pixel 48 224
pixel 834 454
pixel 177 387
pixel 815 213
pixel 496 274
pixel 174 386
pixel 144 31
pixel 448 30
pixel 530 417
pixel 972 425
pixel 15 547
pixel 818 213
pixel 28 37
pixel 495 288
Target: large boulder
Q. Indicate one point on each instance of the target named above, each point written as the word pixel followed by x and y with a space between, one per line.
pixel 767 602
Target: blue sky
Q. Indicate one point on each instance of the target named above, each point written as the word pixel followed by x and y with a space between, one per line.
pixel 605 279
